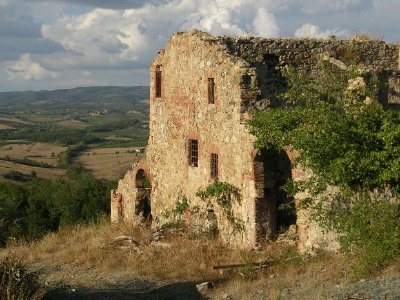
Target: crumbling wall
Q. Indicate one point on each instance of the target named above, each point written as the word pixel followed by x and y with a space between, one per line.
pixel 245 73
pixel 182 113
pixel 268 57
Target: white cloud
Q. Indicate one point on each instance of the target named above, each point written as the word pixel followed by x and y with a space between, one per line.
pixel 313 7
pixel 309 30
pixel 105 38
pixel 101 37
pixel 73 37
pixel 330 6
pixel 236 17
pixel 26 69
pixel 86 73
pixel 265 24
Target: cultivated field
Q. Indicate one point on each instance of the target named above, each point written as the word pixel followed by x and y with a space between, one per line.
pixel 15 120
pixel 46 173
pixel 41 152
pixel 73 124
pixel 3 126
pixel 109 163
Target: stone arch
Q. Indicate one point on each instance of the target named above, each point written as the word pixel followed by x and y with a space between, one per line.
pixel 143 199
pixel 274 209
pixel 142 180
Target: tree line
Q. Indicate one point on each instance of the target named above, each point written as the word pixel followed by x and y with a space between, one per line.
pixel 39 206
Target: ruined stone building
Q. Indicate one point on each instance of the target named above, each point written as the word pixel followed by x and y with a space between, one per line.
pixel 202 89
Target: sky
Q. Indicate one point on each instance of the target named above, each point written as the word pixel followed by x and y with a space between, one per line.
pixel 69 43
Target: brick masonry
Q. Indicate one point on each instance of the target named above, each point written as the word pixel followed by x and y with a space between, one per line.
pixel 247 74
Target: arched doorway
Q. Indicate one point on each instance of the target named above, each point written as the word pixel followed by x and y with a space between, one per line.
pixel 143 203
pixel 274 209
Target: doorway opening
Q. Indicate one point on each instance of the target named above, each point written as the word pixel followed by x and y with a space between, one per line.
pixel 274 208
pixel 143 203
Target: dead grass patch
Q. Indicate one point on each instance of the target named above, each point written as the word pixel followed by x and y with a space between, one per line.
pixel 73 124
pixel 3 126
pixel 93 248
pixel 109 163
pixel 46 173
pixel 88 249
pixel 307 278
pixel 41 152
pixel 15 120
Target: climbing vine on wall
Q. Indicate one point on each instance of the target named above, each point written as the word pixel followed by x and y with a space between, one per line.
pixel 223 194
pixel 348 140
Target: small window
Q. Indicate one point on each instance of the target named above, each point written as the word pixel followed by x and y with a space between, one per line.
pixel 214 166
pixel 158 82
pixel 211 90
pixel 193 153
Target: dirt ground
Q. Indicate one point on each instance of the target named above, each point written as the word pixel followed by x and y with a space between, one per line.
pixel 89 262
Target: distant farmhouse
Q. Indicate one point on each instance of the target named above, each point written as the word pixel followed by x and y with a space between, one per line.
pixel 202 91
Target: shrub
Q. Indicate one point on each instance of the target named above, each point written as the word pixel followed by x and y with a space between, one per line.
pixel 346 138
pixel 369 229
pixel 16 282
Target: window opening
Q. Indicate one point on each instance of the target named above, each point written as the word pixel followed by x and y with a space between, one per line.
pixel 211 91
pixel 214 166
pixel 158 81
pixel 193 153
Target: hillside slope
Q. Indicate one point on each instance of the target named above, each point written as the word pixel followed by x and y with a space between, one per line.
pixel 104 261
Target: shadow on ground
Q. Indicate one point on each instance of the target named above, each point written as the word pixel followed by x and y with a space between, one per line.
pixel 184 291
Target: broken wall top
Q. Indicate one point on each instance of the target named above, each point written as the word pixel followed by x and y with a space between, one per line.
pixel 303 53
pixel 263 58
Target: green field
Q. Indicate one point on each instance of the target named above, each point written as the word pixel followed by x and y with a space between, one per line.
pixel 95 117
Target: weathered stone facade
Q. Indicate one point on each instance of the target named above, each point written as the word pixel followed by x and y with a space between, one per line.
pixel 202 88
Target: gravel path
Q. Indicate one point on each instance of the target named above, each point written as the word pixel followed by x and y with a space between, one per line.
pixel 67 282
pixel 382 289
pixel 178 291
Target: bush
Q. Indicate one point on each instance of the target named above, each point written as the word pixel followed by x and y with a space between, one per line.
pixel 346 138
pixel 39 206
pixel 369 229
pixel 16 282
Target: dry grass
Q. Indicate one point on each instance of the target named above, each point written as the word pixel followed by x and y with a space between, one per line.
pixel 109 163
pixel 3 126
pixel 364 36
pixel 113 137
pixel 312 278
pixel 88 256
pixel 46 173
pixel 15 120
pixel 41 152
pixel 73 124
pixel 91 249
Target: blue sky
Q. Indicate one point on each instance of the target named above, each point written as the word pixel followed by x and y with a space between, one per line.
pixel 69 43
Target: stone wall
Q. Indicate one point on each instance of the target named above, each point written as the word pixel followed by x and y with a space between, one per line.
pixel 182 113
pixel 246 73
pixel 268 57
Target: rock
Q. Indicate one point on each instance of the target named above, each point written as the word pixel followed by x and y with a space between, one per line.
pixel 125 238
pixel 202 287
pixel 161 244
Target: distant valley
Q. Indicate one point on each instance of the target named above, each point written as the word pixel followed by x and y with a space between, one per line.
pixel 42 132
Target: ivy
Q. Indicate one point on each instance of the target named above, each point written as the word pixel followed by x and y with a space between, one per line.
pixel 345 137
pixel 222 193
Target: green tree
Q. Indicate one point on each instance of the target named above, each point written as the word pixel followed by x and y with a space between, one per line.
pixel 347 139
pixel 12 211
